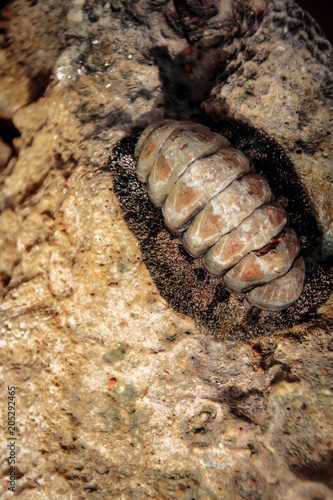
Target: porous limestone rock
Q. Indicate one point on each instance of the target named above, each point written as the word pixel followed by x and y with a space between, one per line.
pixel 117 395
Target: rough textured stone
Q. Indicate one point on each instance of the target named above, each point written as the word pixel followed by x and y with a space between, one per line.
pixel 118 395
pixel 5 153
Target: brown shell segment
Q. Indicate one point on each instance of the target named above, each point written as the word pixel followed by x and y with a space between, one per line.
pixel 144 136
pixel 263 266
pixel 202 180
pixel 178 152
pixel 225 212
pixel 282 292
pixel 150 147
pixel 253 233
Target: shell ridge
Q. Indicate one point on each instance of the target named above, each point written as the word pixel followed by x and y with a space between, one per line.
pixel 177 152
pixel 144 168
pixel 278 262
pixel 202 196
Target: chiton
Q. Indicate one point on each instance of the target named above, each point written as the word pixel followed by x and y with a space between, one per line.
pixel 210 194
pixel 236 270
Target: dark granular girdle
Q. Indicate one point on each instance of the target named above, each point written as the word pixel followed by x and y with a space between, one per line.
pixel 183 281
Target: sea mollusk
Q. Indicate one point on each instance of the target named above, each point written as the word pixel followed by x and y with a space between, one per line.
pixel 208 192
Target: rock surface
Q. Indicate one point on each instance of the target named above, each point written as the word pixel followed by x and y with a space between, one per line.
pixel 117 395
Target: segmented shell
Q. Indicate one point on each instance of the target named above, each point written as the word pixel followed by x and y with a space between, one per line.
pixel 223 210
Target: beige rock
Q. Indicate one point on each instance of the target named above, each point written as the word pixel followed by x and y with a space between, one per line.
pixel 116 393
pixel 5 153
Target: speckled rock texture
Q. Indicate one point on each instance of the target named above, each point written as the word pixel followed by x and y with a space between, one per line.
pixel 117 394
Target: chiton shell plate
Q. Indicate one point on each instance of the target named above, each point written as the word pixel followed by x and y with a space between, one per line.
pixel 202 180
pixel 254 232
pixel 224 212
pixel 278 294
